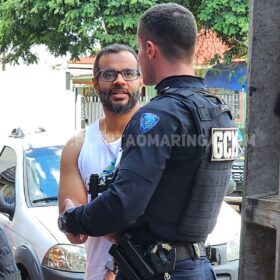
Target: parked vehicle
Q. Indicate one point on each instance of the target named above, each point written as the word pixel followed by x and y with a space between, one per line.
pixel 237 174
pixel 29 172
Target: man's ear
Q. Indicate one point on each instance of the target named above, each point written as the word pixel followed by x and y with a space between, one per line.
pixel 95 84
pixel 151 48
pixel 141 81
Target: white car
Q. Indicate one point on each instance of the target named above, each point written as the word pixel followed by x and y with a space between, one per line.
pixel 29 174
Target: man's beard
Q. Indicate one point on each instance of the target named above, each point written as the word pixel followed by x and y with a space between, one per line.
pixel 105 98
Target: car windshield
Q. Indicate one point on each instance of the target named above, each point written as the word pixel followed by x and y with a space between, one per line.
pixel 42 174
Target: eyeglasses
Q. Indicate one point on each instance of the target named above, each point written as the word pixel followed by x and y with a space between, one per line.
pixel 111 75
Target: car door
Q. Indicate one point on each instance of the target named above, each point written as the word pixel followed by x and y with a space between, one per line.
pixel 8 163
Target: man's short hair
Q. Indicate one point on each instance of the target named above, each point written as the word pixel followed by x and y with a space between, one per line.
pixel 114 48
pixel 172 28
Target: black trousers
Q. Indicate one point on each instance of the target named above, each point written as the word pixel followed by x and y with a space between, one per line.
pixel 190 269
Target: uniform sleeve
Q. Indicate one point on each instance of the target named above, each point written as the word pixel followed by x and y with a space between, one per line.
pixel 147 146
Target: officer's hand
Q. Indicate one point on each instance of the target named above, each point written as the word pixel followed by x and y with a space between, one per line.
pixel 76 238
pixel 110 275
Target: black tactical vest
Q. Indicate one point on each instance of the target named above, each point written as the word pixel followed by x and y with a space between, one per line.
pixel 188 198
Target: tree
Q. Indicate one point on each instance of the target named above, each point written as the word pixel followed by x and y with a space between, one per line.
pixel 229 19
pixel 80 26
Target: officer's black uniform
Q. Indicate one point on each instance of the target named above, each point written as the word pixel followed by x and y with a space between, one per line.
pixel 167 188
pixel 8 267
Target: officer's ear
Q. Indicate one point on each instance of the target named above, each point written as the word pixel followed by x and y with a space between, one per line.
pixel 152 49
pixel 95 84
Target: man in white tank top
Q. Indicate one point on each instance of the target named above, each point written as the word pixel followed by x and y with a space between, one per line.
pixel 94 150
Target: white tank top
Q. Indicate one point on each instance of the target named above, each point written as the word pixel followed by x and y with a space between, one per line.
pixel 97 157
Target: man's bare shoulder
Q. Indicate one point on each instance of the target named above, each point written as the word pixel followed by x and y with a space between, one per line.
pixel 74 144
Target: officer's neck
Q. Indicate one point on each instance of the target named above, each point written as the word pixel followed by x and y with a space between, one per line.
pixel 112 125
pixel 166 68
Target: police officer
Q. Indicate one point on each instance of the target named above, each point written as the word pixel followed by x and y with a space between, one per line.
pixel 175 166
pixel 8 267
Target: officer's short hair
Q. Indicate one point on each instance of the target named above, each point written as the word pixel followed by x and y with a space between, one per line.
pixel 172 27
pixel 114 48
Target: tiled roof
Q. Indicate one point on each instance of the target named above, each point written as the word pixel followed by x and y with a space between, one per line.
pixel 83 60
pixel 208 45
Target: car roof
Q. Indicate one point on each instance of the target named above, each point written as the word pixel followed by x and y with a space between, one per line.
pixel 36 139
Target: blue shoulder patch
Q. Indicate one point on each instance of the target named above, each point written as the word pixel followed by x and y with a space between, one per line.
pixel 148 121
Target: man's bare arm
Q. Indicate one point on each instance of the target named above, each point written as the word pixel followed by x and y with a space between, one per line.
pixel 71 185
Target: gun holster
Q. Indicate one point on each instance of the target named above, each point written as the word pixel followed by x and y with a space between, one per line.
pixel 131 261
pixel 138 265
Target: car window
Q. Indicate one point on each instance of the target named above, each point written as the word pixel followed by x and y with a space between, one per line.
pixel 42 173
pixel 7 158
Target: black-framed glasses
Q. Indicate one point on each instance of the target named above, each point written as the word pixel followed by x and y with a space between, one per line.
pixel 110 75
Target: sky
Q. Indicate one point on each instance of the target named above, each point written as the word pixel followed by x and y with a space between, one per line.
pixel 36 95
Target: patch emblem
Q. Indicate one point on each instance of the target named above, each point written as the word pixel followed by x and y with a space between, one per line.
pixel 224 144
pixel 148 121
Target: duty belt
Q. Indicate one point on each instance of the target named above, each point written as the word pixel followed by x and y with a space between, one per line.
pixel 138 262
pixel 189 250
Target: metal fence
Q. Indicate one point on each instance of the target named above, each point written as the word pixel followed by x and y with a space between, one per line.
pixel 91 107
pixel 237 103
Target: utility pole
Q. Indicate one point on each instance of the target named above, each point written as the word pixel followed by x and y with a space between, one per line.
pixel 260 235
